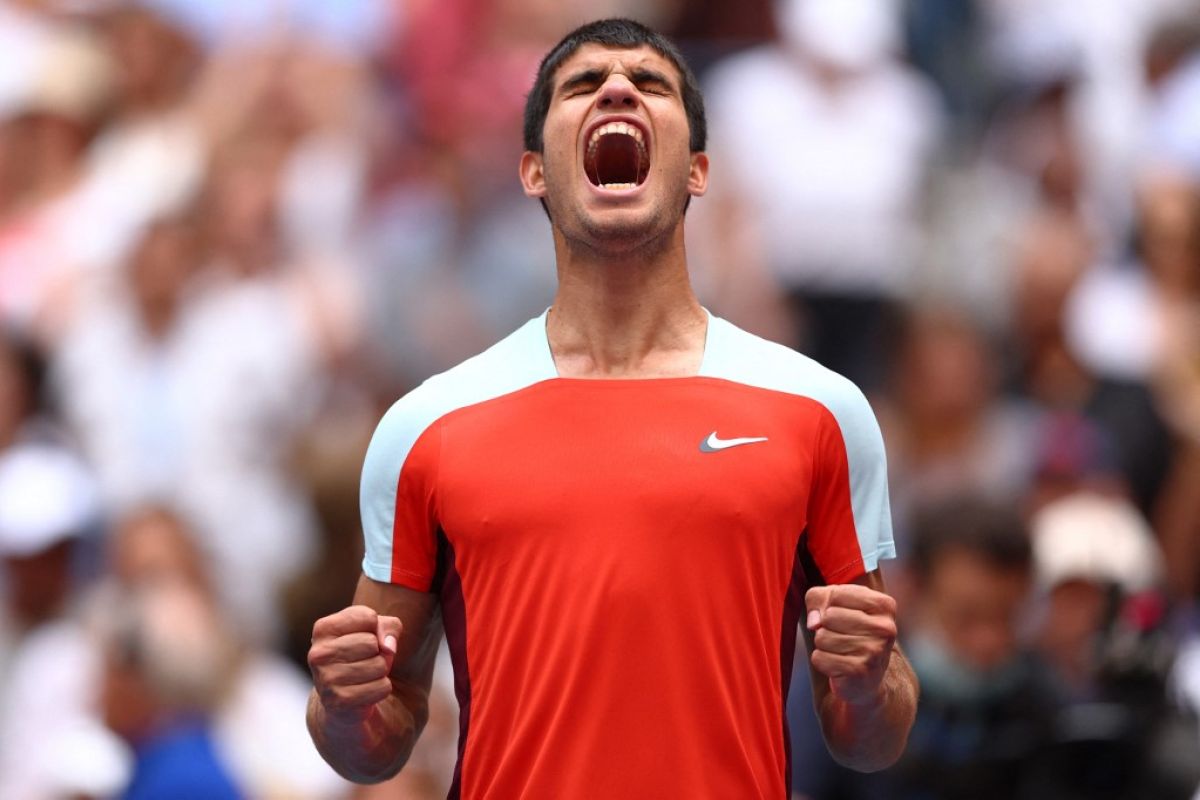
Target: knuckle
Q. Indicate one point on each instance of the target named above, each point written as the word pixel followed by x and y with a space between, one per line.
pixel 346 696
pixel 884 629
pixel 349 618
pixel 318 654
pixel 361 616
pixel 372 669
pixel 331 696
pixel 836 616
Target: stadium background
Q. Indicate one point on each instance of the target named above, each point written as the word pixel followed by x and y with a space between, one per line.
pixel 231 233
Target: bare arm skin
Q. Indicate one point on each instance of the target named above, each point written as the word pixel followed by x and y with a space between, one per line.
pixel 864 690
pixel 372 666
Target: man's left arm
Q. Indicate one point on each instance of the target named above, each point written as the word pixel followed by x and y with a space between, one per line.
pixel 864 689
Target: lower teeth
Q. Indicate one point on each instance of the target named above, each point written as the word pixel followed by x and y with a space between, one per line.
pixel 618 185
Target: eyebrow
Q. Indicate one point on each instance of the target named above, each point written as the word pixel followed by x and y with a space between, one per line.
pixel 589 77
pixel 641 75
pixel 638 76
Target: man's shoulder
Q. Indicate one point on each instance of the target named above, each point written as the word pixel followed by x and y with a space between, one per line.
pixel 743 357
pixel 518 360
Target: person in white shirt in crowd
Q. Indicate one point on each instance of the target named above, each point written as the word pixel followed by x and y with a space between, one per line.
pixel 48 507
pixel 187 386
pixel 825 139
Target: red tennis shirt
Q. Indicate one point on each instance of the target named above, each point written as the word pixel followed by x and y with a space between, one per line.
pixel 621 564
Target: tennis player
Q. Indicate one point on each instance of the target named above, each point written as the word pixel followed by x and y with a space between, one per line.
pixel 620 514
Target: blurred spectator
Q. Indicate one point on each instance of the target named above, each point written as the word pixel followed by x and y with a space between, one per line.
pixel 985 708
pixel 148 159
pixel 47 507
pixel 1099 49
pixel 47 502
pixel 441 280
pixel 1124 321
pixel 1050 260
pixel 307 113
pixel 454 255
pixel 1073 454
pixel 118 368
pixel 191 391
pixel 948 430
pixel 252 723
pixel 43 240
pixel 166 656
pixel 1174 123
pixel 1103 635
pixel 1087 547
pixel 60 690
pixel 796 130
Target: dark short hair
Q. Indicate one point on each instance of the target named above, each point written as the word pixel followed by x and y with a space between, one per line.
pixel 991 531
pixel 612 33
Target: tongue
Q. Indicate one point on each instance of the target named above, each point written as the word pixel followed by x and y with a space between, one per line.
pixel 616 160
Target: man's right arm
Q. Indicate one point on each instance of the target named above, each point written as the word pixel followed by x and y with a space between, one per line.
pixel 372 667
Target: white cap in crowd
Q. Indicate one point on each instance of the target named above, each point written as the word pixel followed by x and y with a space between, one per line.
pixel 1095 538
pixel 46 496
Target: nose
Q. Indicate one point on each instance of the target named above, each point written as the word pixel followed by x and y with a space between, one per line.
pixel 617 92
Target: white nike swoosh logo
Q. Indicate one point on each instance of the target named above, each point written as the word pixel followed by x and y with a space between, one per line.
pixel 713 443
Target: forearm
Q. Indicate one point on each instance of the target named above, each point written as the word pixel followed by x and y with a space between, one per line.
pixel 870 735
pixel 369 749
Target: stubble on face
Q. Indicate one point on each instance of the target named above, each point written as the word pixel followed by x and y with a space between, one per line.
pixel 648 233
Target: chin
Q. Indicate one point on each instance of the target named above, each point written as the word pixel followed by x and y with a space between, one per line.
pixel 622 234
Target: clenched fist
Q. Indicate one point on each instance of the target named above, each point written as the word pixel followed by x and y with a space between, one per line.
pixel 854 631
pixel 350 658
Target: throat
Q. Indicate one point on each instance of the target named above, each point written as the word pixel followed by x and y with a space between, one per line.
pixel 616 339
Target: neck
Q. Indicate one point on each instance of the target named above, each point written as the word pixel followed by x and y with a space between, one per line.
pixel 625 314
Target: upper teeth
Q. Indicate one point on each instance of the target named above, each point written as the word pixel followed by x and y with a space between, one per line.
pixel 617 127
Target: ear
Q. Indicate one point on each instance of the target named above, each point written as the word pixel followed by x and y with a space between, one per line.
pixel 698 175
pixel 533 179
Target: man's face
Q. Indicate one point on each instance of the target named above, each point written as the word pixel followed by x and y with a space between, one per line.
pixel 616 169
pixel 975 608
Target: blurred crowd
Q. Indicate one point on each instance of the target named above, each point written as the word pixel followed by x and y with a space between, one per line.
pixel 232 233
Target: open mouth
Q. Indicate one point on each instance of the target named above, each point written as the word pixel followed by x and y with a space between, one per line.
pixel 616 156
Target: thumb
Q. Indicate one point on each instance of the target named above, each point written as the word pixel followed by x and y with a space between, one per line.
pixel 816 599
pixel 387 631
